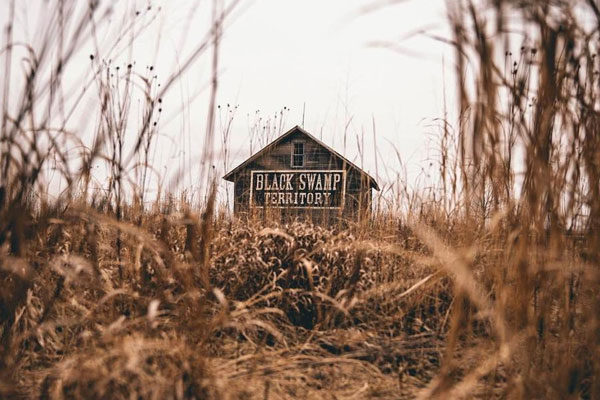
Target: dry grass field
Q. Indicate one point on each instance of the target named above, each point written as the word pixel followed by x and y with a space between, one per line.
pixel 486 286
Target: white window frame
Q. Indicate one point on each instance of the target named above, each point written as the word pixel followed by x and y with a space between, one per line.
pixel 303 154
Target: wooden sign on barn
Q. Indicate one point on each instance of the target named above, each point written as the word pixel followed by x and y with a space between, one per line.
pixel 298 175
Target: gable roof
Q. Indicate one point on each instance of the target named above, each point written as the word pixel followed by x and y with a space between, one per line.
pixel 229 176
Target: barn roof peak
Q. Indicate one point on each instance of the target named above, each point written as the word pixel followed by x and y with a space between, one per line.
pixel 229 176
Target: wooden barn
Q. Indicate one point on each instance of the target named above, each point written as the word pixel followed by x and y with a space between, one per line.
pixel 298 175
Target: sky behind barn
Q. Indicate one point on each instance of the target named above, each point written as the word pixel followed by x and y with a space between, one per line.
pixel 334 57
pixel 344 63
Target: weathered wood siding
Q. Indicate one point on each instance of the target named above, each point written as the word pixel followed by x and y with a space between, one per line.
pixel 358 190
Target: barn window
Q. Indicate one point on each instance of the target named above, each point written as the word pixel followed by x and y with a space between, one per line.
pixel 298 154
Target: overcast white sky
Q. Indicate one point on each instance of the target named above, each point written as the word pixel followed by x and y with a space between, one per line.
pixel 324 55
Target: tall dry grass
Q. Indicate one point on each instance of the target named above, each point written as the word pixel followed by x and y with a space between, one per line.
pixel 483 286
pixel 524 198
